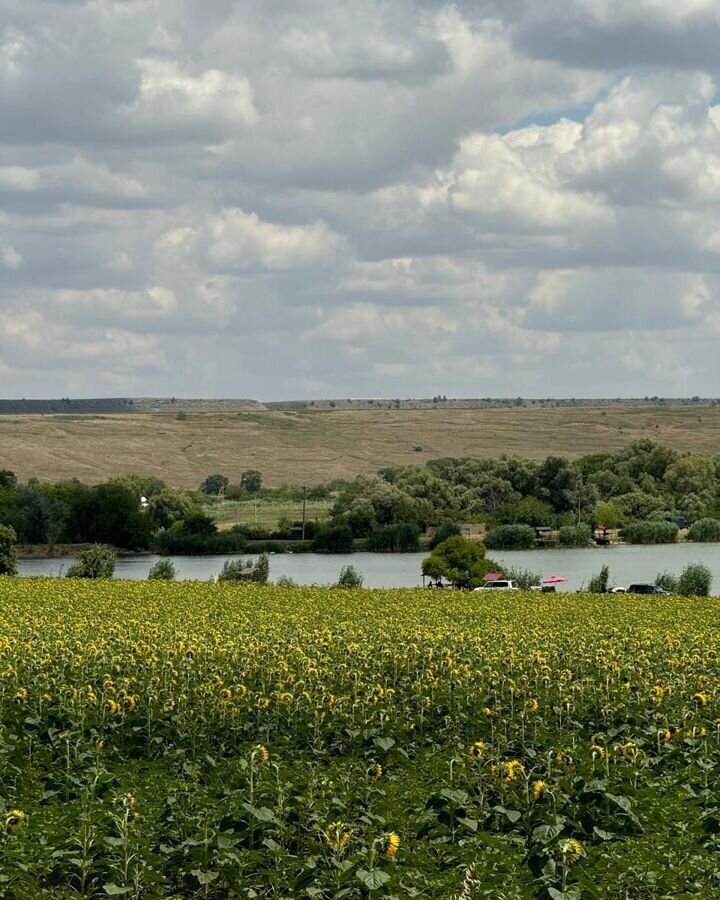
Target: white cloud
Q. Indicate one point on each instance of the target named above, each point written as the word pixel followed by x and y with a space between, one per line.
pixel 497 197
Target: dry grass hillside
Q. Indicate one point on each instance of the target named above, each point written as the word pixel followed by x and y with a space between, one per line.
pixel 296 446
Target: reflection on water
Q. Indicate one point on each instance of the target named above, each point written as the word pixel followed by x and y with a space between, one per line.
pixel 627 564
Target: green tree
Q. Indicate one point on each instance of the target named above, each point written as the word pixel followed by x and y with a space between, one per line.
pixel 695 581
pixel 599 583
pixel 575 535
pixel 460 562
pixel 650 533
pixel 197 523
pixel 214 485
pixel 42 518
pixel 403 537
pixel 607 515
pixel 510 537
pixel 705 531
pixel 446 530
pixel 528 511
pixel 8 479
pixel 163 570
pixel 95 562
pixel 349 578
pixel 8 554
pixel 251 481
pixel 246 570
pixel 169 506
pixel 333 539
pixel 110 513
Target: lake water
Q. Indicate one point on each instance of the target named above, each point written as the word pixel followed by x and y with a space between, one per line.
pixel 627 564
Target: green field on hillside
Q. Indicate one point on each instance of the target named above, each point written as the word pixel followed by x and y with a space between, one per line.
pixel 266 513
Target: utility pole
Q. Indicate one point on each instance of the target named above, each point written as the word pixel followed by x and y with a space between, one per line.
pixel 304 506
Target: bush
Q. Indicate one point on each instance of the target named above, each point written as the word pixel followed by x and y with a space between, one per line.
pixel 163 570
pixel 246 570
pixel 695 581
pixel 446 530
pixel 599 583
pixel 525 578
pixel 334 539
pixel 178 541
pixel 575 535
pixel 667 581
pixel 650 533
pixel 511 537
pixel 401 538
pixel 705 531
pixel 8 556
pixel 285 581
pixel 349 578
pixel 96 562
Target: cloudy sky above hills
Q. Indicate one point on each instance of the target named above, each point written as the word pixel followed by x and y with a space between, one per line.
pixel 304 198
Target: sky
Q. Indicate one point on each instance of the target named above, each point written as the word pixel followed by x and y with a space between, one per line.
pixel 285 199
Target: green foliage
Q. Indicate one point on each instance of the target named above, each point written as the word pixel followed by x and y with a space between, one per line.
pixel 404 537
pixel 575 535
pixel 178 540
pixel 524 578
pixel 214 485
pixel 458 561
pixel 444 531
pixel 650 533
pixel 111 514
pixel 95 562
pixel 349 578
pixel 8 556
pixel 607 515
pixel 704 531
pixel 42 519
pixel 251 481
pixel 246 570
pixel 8 479
pixel 599 583
pixel 510 537
pixel 667 582
pixel 333 539
pixel 163 570
pixel 528 511
pixel 695 581
pixel 169 506
pixel 197 523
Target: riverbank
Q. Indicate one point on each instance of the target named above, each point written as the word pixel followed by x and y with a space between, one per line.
pixel 628 564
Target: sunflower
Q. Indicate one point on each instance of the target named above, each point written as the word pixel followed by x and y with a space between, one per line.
pixel 538 789
pixel 260 756
pixel 337 836
pixel 477 750
pixel 15 820
pixel 393 844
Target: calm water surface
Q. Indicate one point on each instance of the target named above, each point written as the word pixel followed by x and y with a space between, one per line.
pixel 627 564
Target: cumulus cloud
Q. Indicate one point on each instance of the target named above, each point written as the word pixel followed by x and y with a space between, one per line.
pixel 359 198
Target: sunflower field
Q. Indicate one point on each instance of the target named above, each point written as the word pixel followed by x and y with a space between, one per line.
pixel 178 740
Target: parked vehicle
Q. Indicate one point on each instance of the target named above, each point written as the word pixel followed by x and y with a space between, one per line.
pixel 646 589
pixel 499 585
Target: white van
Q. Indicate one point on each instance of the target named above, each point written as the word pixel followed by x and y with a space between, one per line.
pixel 499 585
